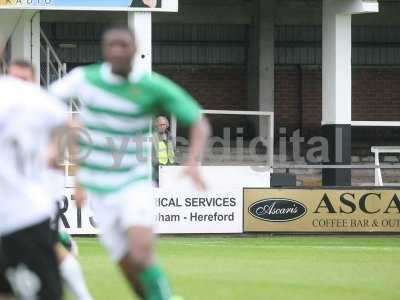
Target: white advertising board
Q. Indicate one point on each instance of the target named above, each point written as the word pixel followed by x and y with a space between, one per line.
pixel 175 212
pixel 180 208
pixel 76 221
pixel 97 5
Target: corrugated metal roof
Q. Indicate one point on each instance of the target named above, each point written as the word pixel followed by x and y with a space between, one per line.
pixel 372 45
pixel 173 43
pixel 228 44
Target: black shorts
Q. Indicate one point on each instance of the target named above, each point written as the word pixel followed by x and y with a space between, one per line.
pixel 5 288
pixel 31 264
pixel 54 222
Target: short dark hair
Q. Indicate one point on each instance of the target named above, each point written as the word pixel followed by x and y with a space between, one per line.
pixel 23 64
pixel 119 28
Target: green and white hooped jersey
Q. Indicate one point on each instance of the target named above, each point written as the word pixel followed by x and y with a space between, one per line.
pixel 117 118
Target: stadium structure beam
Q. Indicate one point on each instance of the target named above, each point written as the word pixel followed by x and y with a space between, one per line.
pixel 25 38
pixel 336 83
pixel 266 60
pixel 261 64
pixel 353 6
pixel 141 24
pixel 8 21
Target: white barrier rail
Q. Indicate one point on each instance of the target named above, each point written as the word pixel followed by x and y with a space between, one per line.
pixel 375 123
pixel 377 150
pixel 265 114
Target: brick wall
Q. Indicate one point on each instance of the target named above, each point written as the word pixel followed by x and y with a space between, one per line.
pixel 376 96
pixel 216 87
pixel 312 100
pixel 287 104
pixel 298 94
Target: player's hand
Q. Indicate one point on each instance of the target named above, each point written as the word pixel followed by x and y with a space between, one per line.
pixel 80 197
pixel 53 160
pixel 193 171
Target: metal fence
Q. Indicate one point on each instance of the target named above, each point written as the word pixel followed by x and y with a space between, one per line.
pixel 52 68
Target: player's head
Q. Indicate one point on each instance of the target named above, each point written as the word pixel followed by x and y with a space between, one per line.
pixel 162 124
pixel 23 70
pixel 119 48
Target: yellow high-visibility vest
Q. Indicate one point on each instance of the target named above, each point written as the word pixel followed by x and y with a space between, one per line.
pixel 164 158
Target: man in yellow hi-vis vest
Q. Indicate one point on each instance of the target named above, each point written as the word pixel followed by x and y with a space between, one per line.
pixel 163 146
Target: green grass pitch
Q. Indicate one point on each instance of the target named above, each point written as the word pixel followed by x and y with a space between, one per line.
pixel 258 268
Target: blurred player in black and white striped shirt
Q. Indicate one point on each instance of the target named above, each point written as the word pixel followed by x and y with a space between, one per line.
pixel 28 120
pixel 69 266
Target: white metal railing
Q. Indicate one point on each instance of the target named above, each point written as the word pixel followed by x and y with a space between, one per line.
pixel 377 150
pixel 53 68
pixel 73 112
pixel 265 114
pixel 375 123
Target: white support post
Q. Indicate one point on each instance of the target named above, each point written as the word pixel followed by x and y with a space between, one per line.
pixel 35 42
pixel 141 24
pixel 47 65
pixel 174 129
pixel 378 172
pixel 336 56
pixel 336 66
pixel 266 59
pixel 336 83
pixel 25 40
pixel 8 21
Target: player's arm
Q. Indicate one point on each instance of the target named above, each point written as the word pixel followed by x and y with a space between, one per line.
pixel 199 134
pixel 69 86
pixel 173 99
pixel 55 151
pixel 56 120
pixel 73 149
pixel 64 89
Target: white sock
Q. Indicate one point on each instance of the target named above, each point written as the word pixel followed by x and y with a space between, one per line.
pixel 71 273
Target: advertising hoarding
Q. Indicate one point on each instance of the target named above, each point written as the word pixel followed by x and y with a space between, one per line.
pixel 176 212
pixel 98 5
pixel 321 210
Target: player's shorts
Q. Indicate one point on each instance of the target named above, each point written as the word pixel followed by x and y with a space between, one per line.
pixel 30 263
pixel 61 237
pixel 55 221
pixel 115 213
pixel 5 288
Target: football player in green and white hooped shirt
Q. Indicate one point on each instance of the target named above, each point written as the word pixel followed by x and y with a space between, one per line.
pixel 118 103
